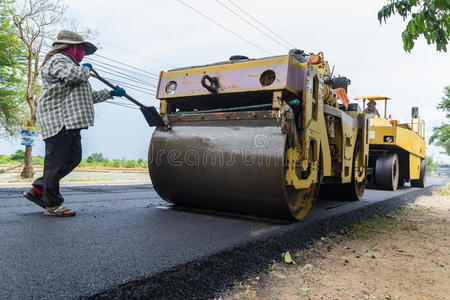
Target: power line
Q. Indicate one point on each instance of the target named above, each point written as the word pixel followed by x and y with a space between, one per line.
pixel 125 49
pixel 223 27
pixel 112 71
pixel 357 92
pixel 117 100
pixel 121 104
pixel 142 88
pixel 122 75
pixel 110 59
pixel 132 86
pixel 124 64
pixel 137 53
pixel 126 77
pixel 242 10
pixel 246 21
pixel 122 69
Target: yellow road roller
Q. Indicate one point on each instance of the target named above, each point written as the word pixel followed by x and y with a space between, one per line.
pixel 257 136
pixel 397 150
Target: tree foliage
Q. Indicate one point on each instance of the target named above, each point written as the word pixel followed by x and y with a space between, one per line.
pixel 33 21
pixel 429 18
pixel 12 98
pixel 19 155
pixel 95 157
pixel 444 105
pixel 441 134
pixel 431 164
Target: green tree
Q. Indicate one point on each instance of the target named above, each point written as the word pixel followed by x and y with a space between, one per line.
pixel 19 155
pixel 441 134
pixel 33 21
pixel 95 157
pixel 429 18
pixel 431 165
pixel 12 100
pixel 444 105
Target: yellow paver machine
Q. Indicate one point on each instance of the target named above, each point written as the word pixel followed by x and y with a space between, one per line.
pixel 397 150
pixel 257 136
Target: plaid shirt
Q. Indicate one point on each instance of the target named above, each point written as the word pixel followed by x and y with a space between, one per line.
pixel 67 99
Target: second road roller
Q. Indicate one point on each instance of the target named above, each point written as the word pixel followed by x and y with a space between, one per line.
pixel 258 136
pixel 396 150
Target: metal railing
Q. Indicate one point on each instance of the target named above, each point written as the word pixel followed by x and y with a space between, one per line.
pixel 418 127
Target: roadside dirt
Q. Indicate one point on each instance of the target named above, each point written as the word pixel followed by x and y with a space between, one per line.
pixel 405 255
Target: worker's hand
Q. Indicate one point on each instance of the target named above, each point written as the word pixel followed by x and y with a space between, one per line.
pixel 117 92
pixel 87 65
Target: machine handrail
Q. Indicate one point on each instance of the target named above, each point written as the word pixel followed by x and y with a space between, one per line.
pixel 420 127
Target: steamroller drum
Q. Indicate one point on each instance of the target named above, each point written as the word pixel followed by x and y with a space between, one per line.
pixel 234 169
pixel 387 172
pixel 423 176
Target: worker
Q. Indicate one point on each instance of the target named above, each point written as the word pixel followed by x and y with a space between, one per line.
pixel 371 109
pixel 64 109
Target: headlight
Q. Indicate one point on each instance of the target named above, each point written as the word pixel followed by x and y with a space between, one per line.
pixel 171 87
pixel 388 139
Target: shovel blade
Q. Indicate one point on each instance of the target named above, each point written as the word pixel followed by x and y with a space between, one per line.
pixel 152 117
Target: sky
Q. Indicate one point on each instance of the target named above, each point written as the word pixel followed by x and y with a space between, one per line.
pixel 162 34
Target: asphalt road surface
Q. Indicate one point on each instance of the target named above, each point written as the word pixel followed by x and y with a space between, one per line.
pixel 121 234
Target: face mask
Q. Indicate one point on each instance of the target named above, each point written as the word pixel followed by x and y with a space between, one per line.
pixel 78 54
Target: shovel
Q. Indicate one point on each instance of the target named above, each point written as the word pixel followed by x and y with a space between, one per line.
pixel 150 114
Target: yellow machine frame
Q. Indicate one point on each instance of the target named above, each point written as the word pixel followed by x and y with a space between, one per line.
pixel 407 140
pixel 325 143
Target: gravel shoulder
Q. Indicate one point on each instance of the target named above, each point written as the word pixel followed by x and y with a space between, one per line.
pixel 405 255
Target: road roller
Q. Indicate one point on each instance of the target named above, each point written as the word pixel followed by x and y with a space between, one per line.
pixel 257 137
pixel 396 150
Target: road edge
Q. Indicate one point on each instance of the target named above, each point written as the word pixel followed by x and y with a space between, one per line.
pixel 211 275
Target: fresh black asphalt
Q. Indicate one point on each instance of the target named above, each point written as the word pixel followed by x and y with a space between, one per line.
pixel 126 242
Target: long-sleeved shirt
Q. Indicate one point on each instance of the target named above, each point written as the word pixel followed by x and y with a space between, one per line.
pixel 371 111
pixel 67 98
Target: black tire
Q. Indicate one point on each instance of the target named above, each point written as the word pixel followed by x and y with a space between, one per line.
pixel 387 172
pixel 420 183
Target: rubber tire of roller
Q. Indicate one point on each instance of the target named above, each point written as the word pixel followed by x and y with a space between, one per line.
pixel 423 176
pixel 387 172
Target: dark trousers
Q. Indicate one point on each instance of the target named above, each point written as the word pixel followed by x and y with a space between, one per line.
pixel 62 155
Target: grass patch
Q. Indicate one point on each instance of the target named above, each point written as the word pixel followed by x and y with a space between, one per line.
pixel 376 224
pixel 405 225
pixel 443 191
pixel 418 211
pixel 95 160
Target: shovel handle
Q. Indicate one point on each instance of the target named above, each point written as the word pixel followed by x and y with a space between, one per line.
pixel 113 87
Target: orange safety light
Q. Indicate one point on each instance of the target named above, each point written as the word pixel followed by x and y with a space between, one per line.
pixel 394 122
pixel 315 59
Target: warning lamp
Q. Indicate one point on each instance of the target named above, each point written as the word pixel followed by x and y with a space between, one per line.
pixel 394 122
pixel 315 59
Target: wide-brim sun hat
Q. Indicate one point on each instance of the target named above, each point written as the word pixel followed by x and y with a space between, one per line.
pixel 66 37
